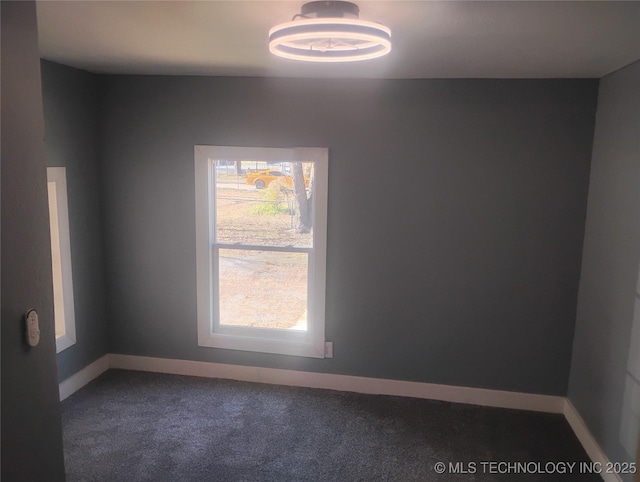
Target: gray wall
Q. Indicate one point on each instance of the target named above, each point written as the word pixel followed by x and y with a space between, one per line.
pixel 31 428
pixel 610 262
pixel 455 227
pixel 71 100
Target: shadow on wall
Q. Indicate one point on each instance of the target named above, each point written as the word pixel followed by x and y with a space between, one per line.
pixel 630 423
pixel 637 479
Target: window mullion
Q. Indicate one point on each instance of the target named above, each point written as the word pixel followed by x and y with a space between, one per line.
pixel 257 247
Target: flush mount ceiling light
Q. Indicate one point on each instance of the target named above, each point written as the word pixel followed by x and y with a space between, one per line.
pixel 329 32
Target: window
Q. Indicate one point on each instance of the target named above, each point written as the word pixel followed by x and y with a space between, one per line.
pixel 61 259
pixel 261 249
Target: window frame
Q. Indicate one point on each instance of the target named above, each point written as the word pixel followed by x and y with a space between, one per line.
pixel 285 342
pixel 58 177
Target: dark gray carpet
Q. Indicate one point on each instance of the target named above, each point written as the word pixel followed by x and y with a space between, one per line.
pixel 134 426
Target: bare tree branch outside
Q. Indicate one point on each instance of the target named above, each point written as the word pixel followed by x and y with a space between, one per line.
pixel 304 203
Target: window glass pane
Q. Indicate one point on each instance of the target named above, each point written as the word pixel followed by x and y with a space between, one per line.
pixel 56 262
pixel 258 206
pixel 263 289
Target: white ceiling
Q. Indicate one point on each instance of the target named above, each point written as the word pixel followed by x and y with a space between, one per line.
pixel 451 39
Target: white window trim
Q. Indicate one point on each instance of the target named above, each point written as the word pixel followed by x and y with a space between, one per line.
pixel 57 176
pixel 309 343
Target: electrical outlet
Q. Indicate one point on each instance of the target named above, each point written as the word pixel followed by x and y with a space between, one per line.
pixel 328 349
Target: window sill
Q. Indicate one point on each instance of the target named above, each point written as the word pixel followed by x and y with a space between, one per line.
pixel 262 345
pixel 63 342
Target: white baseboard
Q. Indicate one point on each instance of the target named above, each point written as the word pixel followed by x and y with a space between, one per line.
pixel 432 391
pixel 474 396
pixel 589 443
pixel 80 379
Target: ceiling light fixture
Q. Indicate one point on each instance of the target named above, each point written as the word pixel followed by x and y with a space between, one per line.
pixel 329 31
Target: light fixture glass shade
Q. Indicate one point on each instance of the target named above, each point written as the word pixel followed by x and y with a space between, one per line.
pixel 330 40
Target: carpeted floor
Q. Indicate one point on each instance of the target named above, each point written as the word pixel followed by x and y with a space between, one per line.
pixel 135 426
